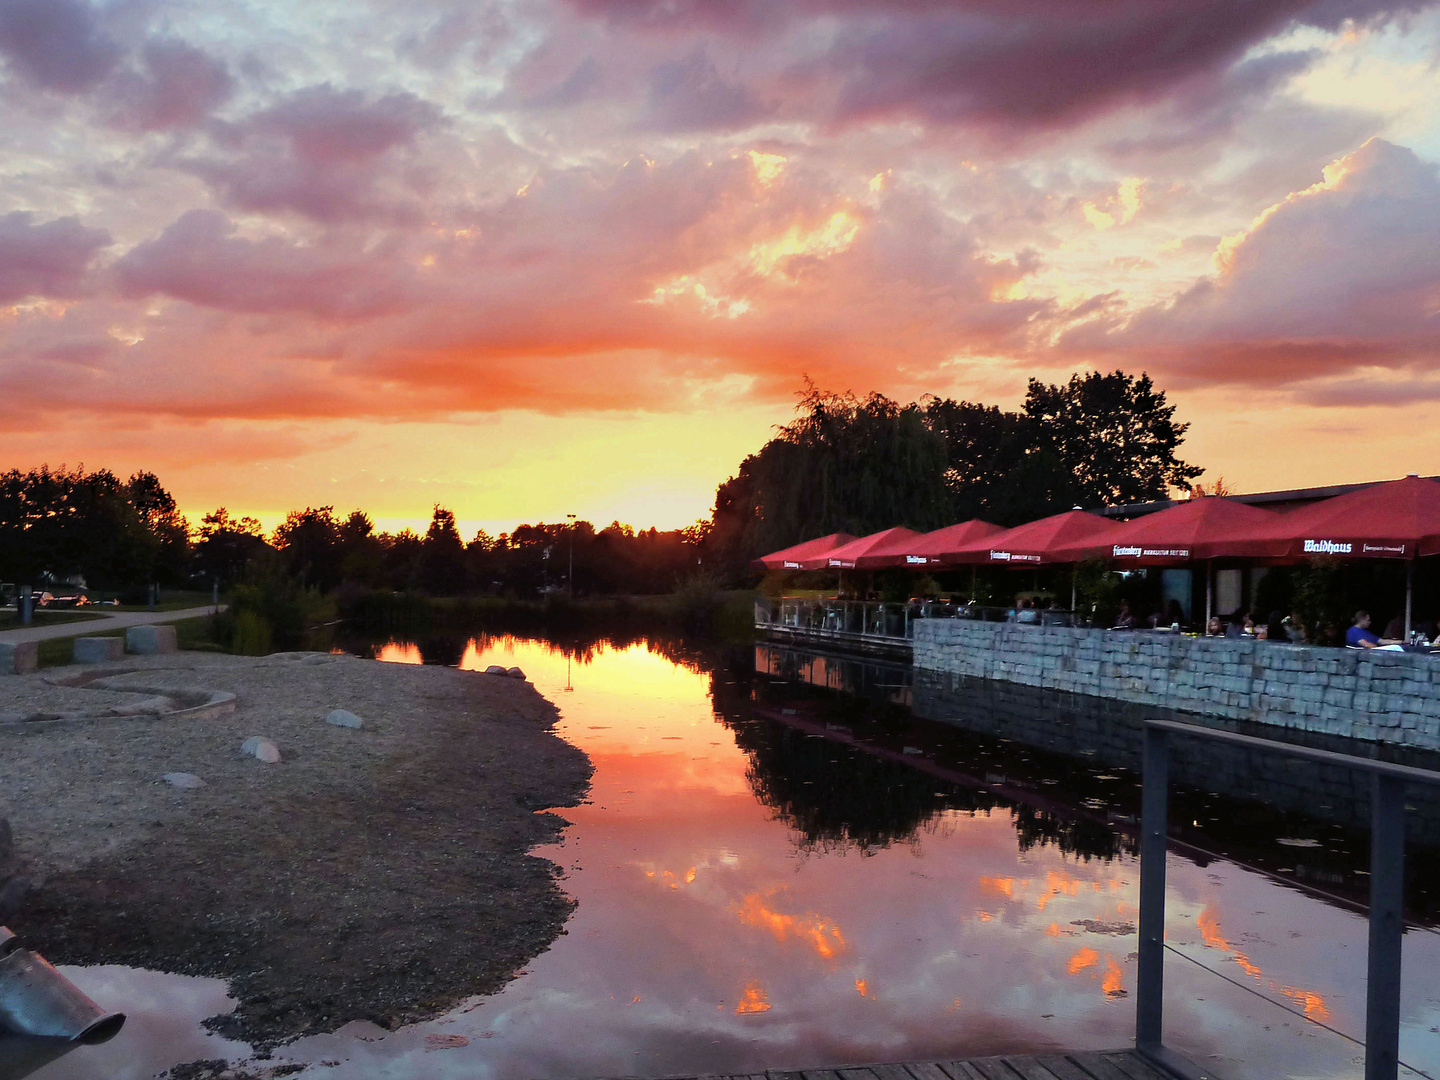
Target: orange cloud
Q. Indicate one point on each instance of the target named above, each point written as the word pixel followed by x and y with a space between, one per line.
pixel 753 999
pixel 818 933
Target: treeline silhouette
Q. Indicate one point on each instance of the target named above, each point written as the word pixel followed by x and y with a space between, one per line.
pixel 844 464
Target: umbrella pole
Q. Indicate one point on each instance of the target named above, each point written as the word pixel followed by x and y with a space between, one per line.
pixel 974 578
pixel 1409 594
pixel 1209 591
pixel 1074 585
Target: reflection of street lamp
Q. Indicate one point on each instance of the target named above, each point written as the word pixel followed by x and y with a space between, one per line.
pixel 569 687
pixel 571 579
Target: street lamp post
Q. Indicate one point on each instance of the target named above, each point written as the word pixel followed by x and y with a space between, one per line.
pixel 570 580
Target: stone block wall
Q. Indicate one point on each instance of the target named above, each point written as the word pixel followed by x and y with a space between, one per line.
pixel 1378 696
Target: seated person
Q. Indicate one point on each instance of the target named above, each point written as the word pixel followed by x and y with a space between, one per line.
pixel 1125 620
pixel 1215 628
pixel 1295 629
pixel 1174 616
pixel 1395 628
pixel 1027 613
pixel 1360 636
pixel 1275 628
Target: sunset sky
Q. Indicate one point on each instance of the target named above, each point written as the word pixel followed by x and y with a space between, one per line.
pixel 534 257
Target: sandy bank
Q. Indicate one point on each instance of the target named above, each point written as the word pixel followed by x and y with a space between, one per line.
pixel 377 874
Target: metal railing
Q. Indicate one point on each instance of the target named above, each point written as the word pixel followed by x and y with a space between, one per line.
pixel 1387 889
pixel 861 620
pixel 869 620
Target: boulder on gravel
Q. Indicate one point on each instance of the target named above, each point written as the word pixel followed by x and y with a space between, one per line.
pixel 261 748
pixel 495 669
pixel 149 640
pixel 185 781
pixel 344 718
pixel 19 657
pixel 515 673
pixel 98 650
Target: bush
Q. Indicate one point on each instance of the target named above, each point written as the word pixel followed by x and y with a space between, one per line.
pixel 251 636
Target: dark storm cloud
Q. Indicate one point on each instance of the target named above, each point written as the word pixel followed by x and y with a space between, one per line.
pixel 691 94
pixel 1017 63
pixel 56 44
pixel 176 86
pixel 45 259
pixel 321 152
pixel 200 260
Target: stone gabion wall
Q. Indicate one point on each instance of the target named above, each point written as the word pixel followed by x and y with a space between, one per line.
pixel 1379 696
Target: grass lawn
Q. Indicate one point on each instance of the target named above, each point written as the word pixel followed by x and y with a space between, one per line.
pixel 10 620
pixel 172 600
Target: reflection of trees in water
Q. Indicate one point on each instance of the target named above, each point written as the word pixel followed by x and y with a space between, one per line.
pixel 836 795
pixel 833 795
pixel 1081 837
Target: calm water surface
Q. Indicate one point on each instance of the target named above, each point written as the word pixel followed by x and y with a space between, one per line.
pixel 767 879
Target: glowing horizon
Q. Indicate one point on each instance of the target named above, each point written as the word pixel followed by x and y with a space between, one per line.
pixel 576 256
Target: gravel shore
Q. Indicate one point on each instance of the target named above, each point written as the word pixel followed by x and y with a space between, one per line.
pixel 378 874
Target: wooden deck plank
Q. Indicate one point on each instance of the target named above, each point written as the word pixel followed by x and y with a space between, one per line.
pixel 960 1070
pixel 1104 1065
pixel 890 1072
pixel 1098 1066
pixel 1030 1068
pixel 993 1068
pixel 926 1070
pixel 1062 1067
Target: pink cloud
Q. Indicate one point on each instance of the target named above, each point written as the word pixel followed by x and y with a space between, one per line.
pixel 48 258
pixel 324 153
pixel 1340 275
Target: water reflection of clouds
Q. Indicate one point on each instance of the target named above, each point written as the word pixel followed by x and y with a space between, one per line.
pixel 709 938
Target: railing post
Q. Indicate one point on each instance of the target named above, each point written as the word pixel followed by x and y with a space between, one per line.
pixel 1154 809
pixel 1387 927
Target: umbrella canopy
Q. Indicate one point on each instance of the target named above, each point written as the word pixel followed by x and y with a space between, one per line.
pixel 1203 528
pixel 1397 519
pixel 1038 542
pixel 933 548
pixel 845 556
pixel 896 550
pixel 793 557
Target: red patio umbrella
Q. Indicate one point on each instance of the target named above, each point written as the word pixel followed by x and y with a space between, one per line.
pixel 899 549
pixel 1397 519
pixel 843 557
pixel 793 557
pixel 1201 528
pixel 1039 542
pixel 932 548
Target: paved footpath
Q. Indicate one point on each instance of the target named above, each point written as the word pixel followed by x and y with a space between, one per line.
pixel 89 627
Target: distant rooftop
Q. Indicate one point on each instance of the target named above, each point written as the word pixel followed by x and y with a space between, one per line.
pixel 1271 500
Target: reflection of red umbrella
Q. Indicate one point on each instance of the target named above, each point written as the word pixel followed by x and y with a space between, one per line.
pixel 793 557
pixel 1039 542
pixel 1202 528
pixel 932 548
pixel 1399 519
pixel 845 556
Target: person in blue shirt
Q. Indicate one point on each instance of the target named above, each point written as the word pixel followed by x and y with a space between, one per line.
pixel 1361 636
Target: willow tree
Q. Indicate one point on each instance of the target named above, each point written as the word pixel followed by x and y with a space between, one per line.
pixel 844 464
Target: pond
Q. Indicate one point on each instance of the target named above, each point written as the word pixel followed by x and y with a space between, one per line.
pixel 781 865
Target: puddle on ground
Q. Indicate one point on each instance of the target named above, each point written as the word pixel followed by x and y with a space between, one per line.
pixel 757 890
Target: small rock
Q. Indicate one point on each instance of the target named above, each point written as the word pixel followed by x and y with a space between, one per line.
pixel 183 780
pixel 263 749
pixel 515 673
pixel 445 1042
pixel 344 718
pixel 495 669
